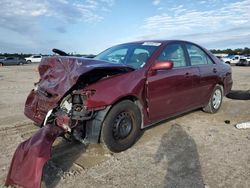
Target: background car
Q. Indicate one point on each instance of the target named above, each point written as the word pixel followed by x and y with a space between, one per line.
pixel 232 59
pixel 1 60
pixel 34 59
pixel 12 61
pixel 244 61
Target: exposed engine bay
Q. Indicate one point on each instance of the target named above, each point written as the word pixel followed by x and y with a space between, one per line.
pixel 72 114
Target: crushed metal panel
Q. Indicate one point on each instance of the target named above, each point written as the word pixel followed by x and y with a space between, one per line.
pixel 30 157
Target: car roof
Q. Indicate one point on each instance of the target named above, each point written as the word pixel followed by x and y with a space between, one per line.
pixel 159 41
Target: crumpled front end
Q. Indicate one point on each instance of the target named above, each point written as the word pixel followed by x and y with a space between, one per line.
pixel 58 77
pixel 37 106
pixel 60 101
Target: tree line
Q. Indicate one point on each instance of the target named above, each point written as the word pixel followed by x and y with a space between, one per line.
pixel 237 51
pixel 21 55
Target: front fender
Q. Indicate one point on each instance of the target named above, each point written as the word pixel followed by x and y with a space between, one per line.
pixel 111 90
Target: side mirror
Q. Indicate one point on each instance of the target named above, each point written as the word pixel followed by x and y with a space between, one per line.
pixel 162 65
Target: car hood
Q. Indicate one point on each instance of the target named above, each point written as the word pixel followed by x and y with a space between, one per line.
pixel 58 74
pixel 226 58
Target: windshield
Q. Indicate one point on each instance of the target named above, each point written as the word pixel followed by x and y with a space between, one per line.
pixel 133 54
pixel 229 56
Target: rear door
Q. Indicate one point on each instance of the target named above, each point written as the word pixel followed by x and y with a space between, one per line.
pixel 171 92
pixel 208 73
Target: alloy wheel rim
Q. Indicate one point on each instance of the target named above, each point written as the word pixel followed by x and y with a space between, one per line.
pixel 217 98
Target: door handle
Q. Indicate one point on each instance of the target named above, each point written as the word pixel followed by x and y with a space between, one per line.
pixel 214 70
pixel 187 74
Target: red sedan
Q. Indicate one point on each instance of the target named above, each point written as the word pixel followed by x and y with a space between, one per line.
pixel 126 88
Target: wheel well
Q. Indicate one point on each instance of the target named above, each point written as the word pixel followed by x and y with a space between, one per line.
pixel 221 83
pixel 136 101
pixel 130 97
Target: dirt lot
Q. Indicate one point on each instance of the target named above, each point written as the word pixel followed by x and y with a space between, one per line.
pixel 193 150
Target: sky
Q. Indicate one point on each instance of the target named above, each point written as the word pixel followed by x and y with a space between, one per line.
pixel 91 26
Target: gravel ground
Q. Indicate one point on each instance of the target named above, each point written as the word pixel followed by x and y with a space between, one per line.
pixel 192 150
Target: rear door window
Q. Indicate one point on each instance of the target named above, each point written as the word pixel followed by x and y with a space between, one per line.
pixel 175 53
pixel 197 56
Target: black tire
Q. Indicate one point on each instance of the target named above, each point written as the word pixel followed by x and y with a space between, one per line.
pixel 1 64
pixel 228 62
pixel 215 100
pixel 121 127
pixel 29 61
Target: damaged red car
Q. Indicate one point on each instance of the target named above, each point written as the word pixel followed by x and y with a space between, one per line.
pixel 113 96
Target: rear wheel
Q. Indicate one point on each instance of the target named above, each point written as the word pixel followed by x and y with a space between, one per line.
pixel 1 64
pixel 121 127
pixel 215 101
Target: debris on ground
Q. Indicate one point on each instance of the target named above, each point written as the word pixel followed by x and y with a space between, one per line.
pixel 30 157
pixel 245 125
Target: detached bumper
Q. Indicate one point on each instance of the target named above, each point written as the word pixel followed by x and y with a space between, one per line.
pixel 30 157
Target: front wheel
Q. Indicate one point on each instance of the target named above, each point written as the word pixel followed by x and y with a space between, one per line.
pixel 121 127
pixel 215 101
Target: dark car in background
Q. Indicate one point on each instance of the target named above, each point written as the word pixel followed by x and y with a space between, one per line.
pixel 125 89
pixel 12 61
pixel 1 60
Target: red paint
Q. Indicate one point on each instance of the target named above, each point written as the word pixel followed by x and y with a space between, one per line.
pixel 30 156
pixel 165 93
pixel 57 76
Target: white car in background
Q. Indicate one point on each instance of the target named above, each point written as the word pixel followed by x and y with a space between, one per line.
pixel 232 59
pixel 34 59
